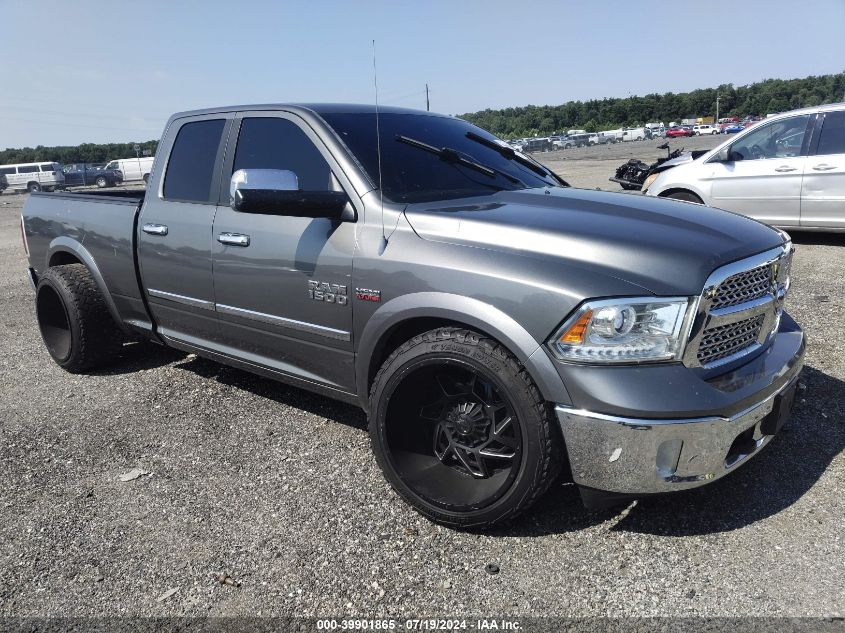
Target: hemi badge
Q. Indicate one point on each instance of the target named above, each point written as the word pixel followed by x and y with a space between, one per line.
pixel 367 294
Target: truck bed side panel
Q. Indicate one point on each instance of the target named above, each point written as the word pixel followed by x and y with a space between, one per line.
pixel 97 229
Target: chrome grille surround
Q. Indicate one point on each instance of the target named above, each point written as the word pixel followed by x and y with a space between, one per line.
pixel 739 308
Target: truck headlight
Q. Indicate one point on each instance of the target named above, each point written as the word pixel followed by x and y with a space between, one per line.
pixel 641 329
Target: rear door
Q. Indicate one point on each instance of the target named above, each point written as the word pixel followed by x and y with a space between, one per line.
pixel 763 179
pixel 174 232
pixel 282 283
pixel 823 188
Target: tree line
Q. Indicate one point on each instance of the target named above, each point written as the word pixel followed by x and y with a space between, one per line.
pixel 758 99
pixel 85 153
pixel 766 97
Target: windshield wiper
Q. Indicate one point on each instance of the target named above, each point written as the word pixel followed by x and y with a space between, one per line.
pixel 509 153
pixel 451 156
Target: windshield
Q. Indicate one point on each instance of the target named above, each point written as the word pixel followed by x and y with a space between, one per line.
pixel 414 174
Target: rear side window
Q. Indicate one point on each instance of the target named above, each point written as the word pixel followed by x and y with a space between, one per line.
pixel 29 169
pixel 190 170
pixel 271 143
pixel 832 139
pixel 48 168
pixel 7 170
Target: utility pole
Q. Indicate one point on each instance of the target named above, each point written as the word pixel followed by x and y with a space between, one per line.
pixel 427 105
pixel 717 108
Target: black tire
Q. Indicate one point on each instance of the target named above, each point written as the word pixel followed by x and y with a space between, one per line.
pixel 76 326
pixel 146 178
pixel 468 491
pixel 101 182
pixel 33 186
pixel 686 196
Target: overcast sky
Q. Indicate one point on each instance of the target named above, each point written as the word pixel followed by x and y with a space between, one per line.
pixel 77 71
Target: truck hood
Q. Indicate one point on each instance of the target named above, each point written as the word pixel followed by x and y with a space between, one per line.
pixel 666 247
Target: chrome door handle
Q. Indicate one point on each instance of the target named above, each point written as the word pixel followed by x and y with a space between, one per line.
pixel 785 168
pixel 233 239
pixel 824 167
pixel 155 229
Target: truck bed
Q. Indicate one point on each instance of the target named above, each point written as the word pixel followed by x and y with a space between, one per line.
pixel 98 228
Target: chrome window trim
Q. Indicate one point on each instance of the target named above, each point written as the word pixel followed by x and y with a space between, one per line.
pixel 176 298
pixel 771 304
pixel 291 324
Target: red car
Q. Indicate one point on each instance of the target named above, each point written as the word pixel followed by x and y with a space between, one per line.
pixel 674 132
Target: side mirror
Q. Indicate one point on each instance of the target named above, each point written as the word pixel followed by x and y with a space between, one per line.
pixel 724 155
pixel 277 192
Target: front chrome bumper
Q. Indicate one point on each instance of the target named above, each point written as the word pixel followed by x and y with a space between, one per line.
pixel 633 456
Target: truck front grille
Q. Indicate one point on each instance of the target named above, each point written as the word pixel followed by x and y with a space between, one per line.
pixel 739 308
pixel 743 287
pixel 726 340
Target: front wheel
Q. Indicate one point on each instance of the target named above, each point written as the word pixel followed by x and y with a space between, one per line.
pixel 33 187
pixel 101 182
pixel 461 431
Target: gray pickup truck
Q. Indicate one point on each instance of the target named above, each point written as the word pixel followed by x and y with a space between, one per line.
pixel 497 326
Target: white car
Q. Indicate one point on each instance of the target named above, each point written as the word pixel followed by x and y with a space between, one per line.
pixel 788 171
pixel 705 128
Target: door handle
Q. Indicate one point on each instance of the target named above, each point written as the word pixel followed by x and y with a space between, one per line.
pixel 155 229
pixel 824 167
pixel 233 239
pixel 785 168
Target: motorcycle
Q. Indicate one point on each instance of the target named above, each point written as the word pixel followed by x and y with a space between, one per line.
pixel 632 175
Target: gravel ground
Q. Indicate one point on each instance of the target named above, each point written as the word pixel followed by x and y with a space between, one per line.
pixel 277 489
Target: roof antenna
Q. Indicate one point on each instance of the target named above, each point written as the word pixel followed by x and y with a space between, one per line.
pixel 383 243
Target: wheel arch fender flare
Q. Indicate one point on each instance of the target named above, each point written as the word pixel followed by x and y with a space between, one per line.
pixel 473 313
pixel 64 244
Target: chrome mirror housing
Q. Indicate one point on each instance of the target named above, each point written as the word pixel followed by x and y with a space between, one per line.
pixel 260 179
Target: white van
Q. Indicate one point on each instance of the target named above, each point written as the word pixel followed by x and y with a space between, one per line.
pixel 133 168
pixel 33 176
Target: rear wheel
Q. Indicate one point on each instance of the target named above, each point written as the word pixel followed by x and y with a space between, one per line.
pixel 146 178
pixel 461 431
pixel 75 323
pixel 686 196
pixel 101 182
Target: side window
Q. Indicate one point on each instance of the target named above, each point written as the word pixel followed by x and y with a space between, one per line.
pixel 190 170
pixel 271 143
pixel 7 170
pixel 28 169
pixel 778 139
pixel 832 138
pixel 47 168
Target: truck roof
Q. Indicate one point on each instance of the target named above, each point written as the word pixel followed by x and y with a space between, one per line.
pixel 308 108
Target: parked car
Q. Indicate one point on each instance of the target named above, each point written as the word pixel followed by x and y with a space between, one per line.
pixel 733 128
pixel 133 169
pixel 537 145
pixel 81 174
pixel 575 140
pixel 787 170
pixel 704 128
pixel 677 131
pixel 33 176
pixel 486 348
pixel 633 134
pixel 4 184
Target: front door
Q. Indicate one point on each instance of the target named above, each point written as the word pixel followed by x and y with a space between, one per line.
pixel 282 283
pixel 174 231
pixel 763 177
pixel 823 192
